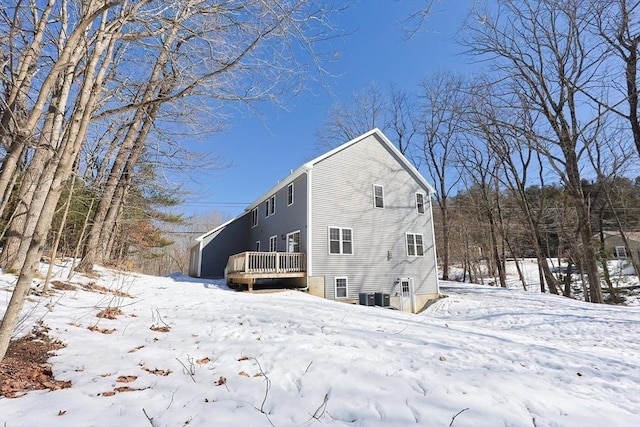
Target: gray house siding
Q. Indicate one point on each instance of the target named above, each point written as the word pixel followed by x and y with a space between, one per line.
pixel 287 218
pixel 220 245
pixel 342 192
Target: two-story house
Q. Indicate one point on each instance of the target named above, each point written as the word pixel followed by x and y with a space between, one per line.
pixel 356 219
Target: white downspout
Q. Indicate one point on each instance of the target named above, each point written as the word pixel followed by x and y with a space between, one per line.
pixel 309 229
pixel 433 240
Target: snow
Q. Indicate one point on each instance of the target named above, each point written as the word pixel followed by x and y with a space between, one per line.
pixel 487 356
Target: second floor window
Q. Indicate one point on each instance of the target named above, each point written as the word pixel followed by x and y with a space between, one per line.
pixel 290 194
pixel 270 206
pixel 420 203
pixel 378 196
pixel 340 240
pixel 254 217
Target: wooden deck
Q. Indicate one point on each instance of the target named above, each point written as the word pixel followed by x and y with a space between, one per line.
pixel 247 267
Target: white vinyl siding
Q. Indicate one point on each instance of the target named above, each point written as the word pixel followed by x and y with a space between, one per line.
pixel 415 244
pixel 342 191
pixel 340 240
pixel 290 194
pixel 342 287
pixel 420 203
pixel 273 244
pixel 378 196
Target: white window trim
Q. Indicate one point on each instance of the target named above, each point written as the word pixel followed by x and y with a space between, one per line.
pixel 415 246
pixel 341 241
pixel 271 240
pixel 620 252
pixel 374 196
pixel 267 205
pixel 254 216
pixel 346 287
pixel 257 245
pixel 273 205
pixel 290 189
pixel 424 202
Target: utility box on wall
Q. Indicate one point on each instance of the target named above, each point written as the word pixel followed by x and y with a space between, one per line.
pixel 367 299
pixel 381 299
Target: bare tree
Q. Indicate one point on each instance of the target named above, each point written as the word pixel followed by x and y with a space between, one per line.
pixel 541 52
pixel 617 23
pixel 248 50
pixel 368 110
pixel 443 102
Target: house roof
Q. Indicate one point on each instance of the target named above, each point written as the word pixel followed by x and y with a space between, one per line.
pixel 310 164
pixel 631 235
pixel 218 228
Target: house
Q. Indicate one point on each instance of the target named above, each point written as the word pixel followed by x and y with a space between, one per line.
pixel 355 220
pixel 616 248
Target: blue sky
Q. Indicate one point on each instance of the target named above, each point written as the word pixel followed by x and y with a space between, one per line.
pixel 263 150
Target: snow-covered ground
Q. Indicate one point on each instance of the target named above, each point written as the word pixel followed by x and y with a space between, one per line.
pixel 484 355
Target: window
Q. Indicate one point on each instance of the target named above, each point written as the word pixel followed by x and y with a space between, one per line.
pixel 340 241
pixel 620 252
pixel 415 247
pixel 341 287
pixel 406 290
pixel 254 217
pixel 378 196
pixel 270 206
pixel 273 244
pixel 290 194
pixel 420 203
pixel 258 246
pixel 293 242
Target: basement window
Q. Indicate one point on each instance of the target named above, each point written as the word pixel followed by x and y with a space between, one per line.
pixel 341 287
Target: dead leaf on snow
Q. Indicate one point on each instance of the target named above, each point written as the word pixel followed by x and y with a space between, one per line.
pixel 126 378
pixel 125 389
pixel 203 361
pixel 110 313
pixel 159 372
pixel 101 330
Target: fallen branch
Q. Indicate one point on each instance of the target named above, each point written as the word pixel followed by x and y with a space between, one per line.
pixel 454 417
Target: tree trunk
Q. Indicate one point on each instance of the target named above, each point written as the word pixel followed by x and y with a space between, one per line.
pixel 38 174
pixel 139 126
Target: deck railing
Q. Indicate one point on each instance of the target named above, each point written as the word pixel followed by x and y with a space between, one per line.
pixel 266 262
